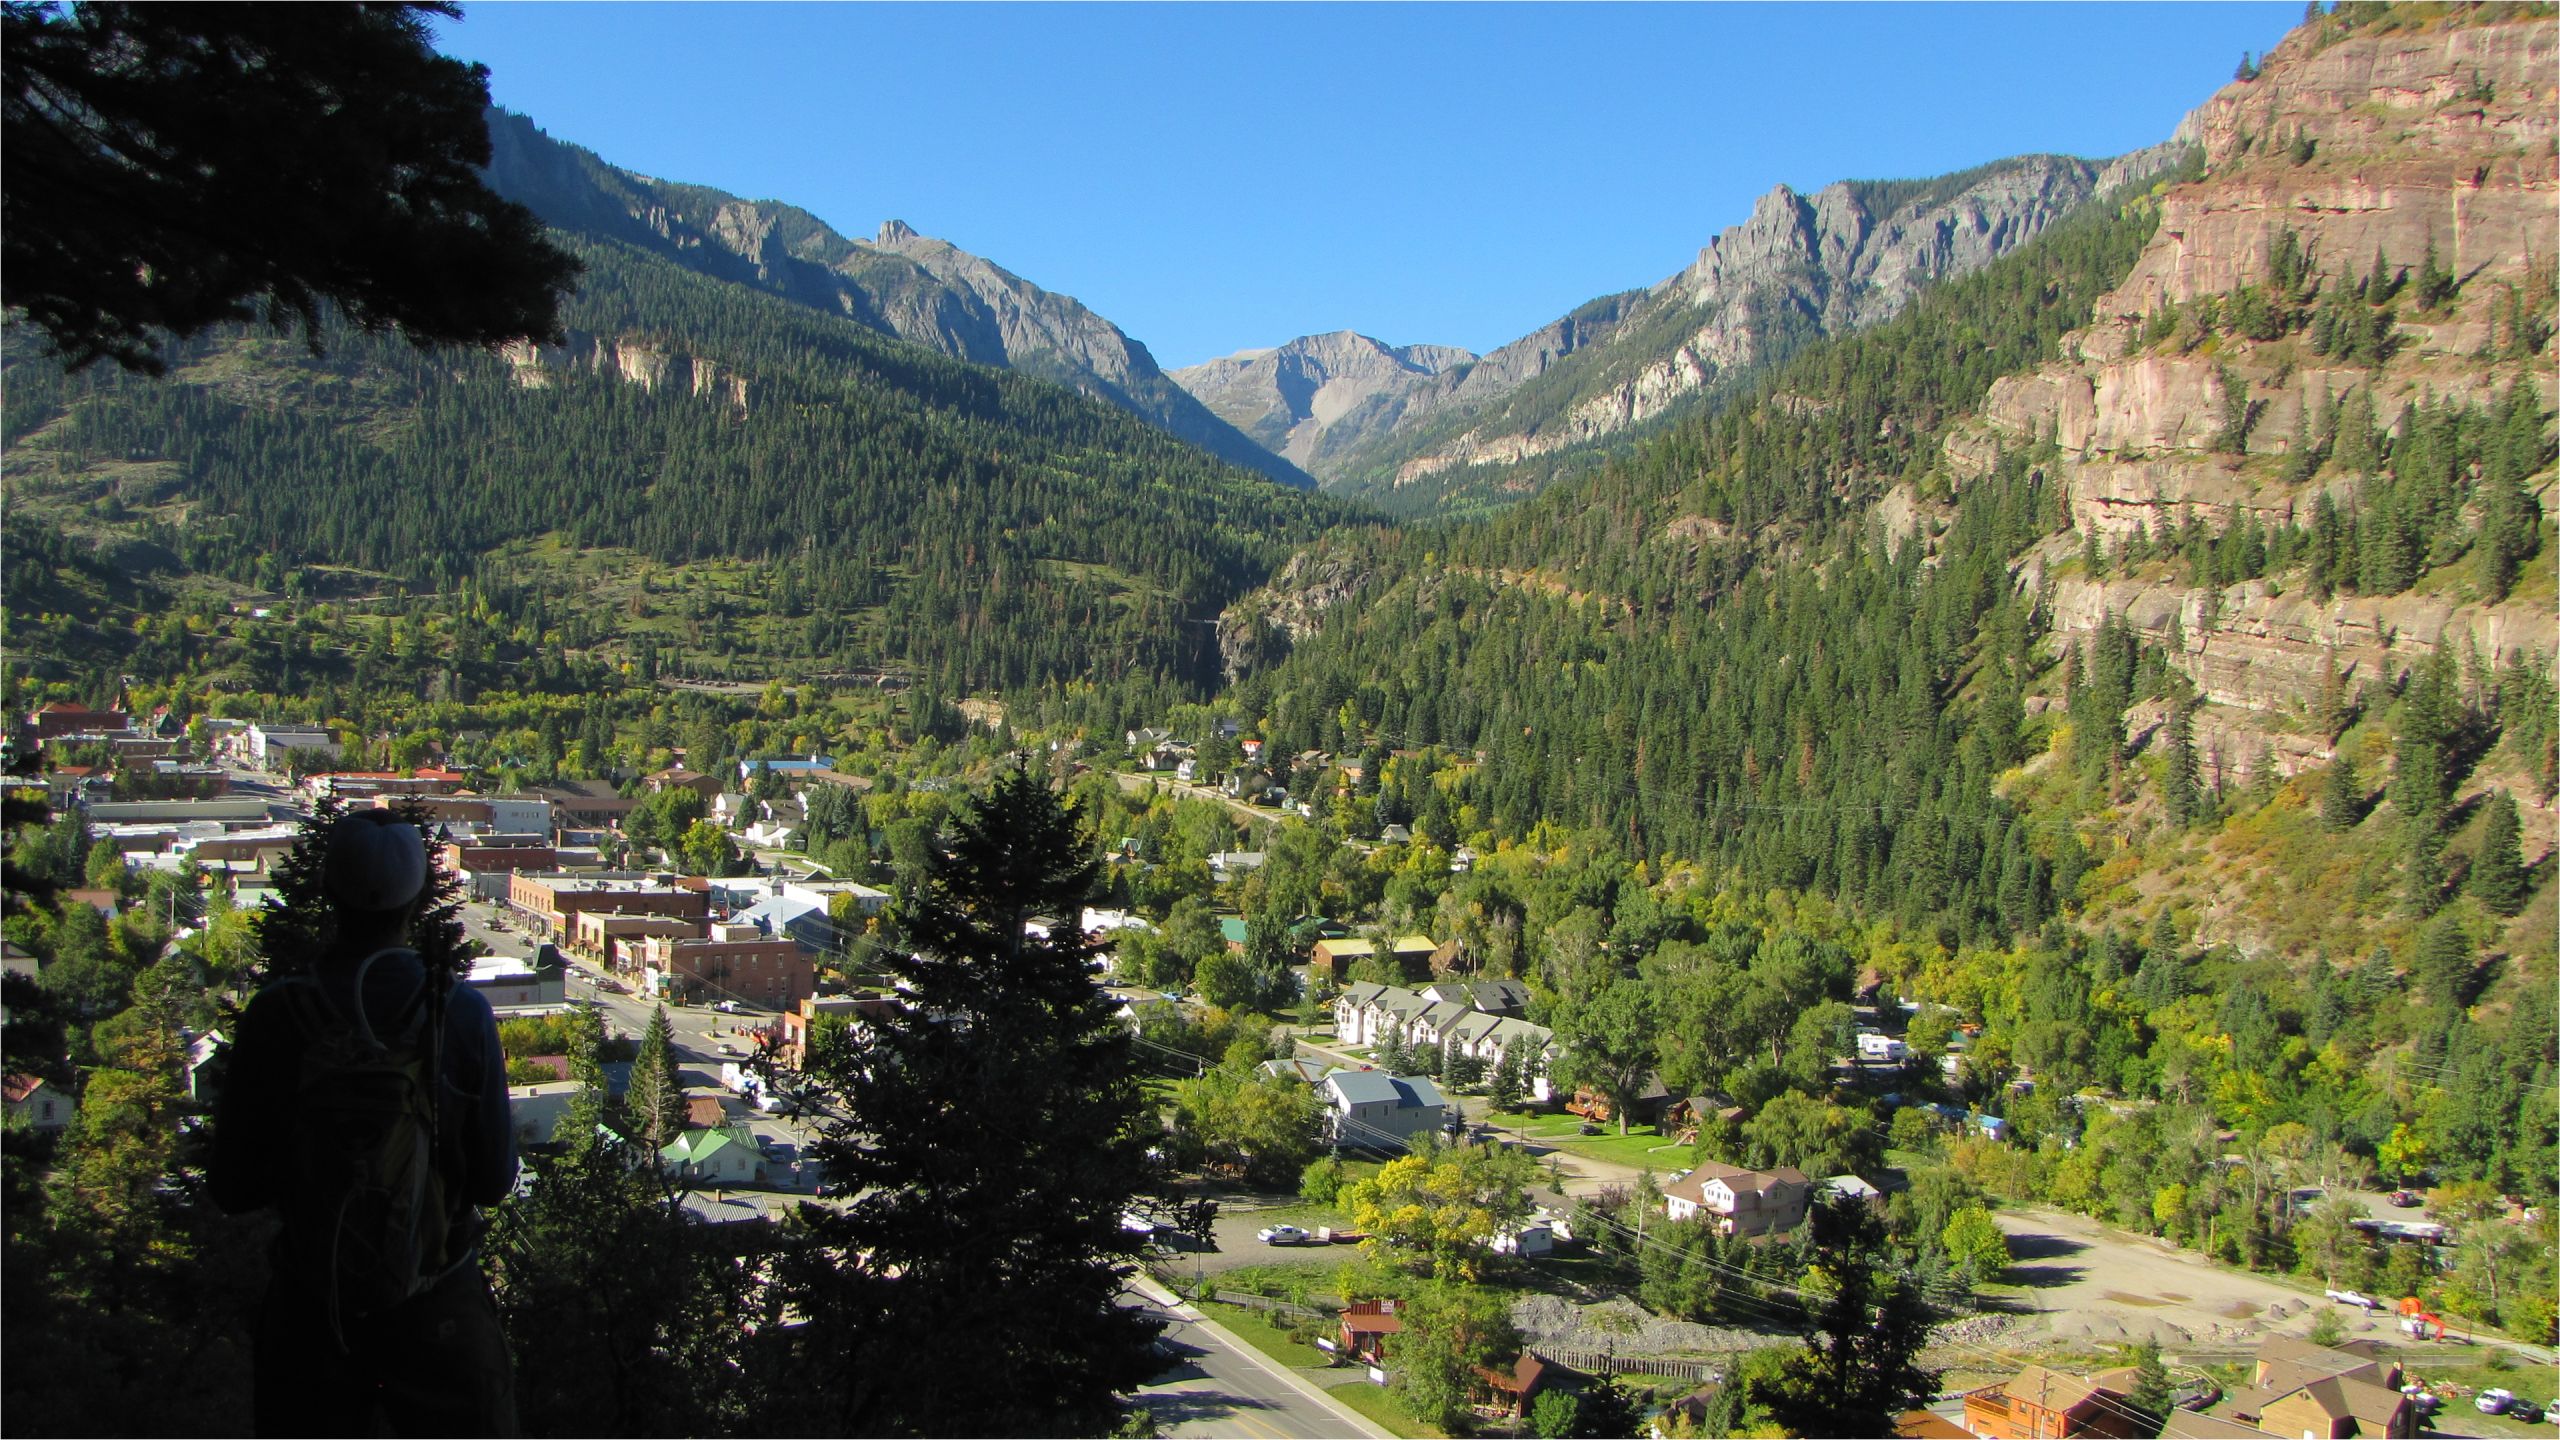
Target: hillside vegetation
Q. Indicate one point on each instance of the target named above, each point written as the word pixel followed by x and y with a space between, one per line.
pixel 888 506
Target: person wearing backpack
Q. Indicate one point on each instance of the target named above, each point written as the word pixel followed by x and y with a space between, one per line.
pixel 366 1103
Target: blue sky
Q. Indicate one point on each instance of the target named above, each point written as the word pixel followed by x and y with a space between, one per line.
pixel 1217 176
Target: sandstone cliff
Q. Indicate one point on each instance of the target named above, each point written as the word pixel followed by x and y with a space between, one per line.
pixel 912 286
pixel 2355 144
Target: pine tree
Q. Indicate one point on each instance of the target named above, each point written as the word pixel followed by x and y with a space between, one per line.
pixel 591 1111
pixel 2341 795
pixel 1508 1090
pixel 2302 450
pixel 656 1095
pixel 2444 962
pixel 994 1134
pixel 1860 1367
pixel 2421 771
pixel 2180 786
pixel 2423 876
pixel 2498 876
pixel 2435 282
pixel 2358 449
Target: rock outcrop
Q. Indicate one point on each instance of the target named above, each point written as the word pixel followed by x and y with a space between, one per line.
pixel 901 283
pixel 634 361
pixel 2355 143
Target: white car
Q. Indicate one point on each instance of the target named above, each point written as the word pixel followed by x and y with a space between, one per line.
pixel 2494 1402
pixel 1282 1235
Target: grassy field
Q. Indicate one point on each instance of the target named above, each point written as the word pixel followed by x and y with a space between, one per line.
pixel 1643 1147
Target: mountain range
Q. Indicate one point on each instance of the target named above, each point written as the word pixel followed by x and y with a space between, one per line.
pixel 1383 421
pixel 1399 426
pixel 900 283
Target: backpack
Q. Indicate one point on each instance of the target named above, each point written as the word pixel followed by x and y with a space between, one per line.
pixel 368 1217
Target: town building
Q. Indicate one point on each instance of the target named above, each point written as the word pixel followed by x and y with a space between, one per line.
pixel 547 900
pixel 2042 1404
pixel 734 962
pixel 1738 1201
pixel 1371 1110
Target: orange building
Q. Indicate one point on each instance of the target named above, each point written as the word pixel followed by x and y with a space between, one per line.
pixel 2038 1403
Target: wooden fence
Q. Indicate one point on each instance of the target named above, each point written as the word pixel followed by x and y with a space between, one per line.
pixel 1265 1302
pixel 1592 1363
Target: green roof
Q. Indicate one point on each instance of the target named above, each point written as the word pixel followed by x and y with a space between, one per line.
pixel 1231 928
pixel 700 1145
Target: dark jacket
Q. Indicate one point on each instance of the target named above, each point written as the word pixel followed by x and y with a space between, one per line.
pixel 253 1123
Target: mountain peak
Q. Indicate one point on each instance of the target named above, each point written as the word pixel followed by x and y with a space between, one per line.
pixel 894 233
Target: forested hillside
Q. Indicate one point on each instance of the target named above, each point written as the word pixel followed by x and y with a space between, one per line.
pixel 898 283
pixel 888 506
pixel 1839 644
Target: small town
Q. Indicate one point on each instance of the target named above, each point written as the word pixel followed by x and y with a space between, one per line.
pixel 1243 721
pixel 1375 1102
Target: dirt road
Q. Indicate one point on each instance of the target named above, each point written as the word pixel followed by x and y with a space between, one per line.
pixel 2102 1286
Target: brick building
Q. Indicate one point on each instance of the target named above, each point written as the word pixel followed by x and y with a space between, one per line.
pixel 734 963
pixel 548 900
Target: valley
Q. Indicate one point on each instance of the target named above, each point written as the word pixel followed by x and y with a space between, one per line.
pixel 1988 747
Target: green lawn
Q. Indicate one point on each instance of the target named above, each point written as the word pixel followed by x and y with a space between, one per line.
pixel 1258 1332
pixel 1373 1401
pixel 1643 1146
pixel 1381 1405
pixel 1315 1272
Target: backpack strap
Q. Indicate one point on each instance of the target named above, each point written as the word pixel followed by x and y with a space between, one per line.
pixel 316 1011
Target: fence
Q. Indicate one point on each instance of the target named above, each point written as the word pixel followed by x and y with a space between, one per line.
pixel 1265 1302
pixel 1590 1363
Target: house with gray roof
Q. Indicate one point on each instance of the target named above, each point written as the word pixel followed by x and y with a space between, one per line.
pixel 1372 1110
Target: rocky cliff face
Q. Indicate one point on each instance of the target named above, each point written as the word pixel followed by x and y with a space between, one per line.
pixel 1318 396
pixel 1360 415
pixel 630 359
pixel 2354 143
pixel 912 286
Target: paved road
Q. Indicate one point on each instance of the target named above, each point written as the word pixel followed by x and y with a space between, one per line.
pixel 1221 1386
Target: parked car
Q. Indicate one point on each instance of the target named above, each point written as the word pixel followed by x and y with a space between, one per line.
pixel 2526 1411
pixel 2405 1198
pixel 1282 1235
pixel 2494 1402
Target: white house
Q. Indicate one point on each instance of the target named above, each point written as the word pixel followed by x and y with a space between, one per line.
pixel 1227 864
pixel 1738 1201
pixel 46 1107
pixel 1430 1026
pixel 267 744
pixel 1369 1110
pixel 1882 1047
pixel 203 1077
pixel 1508 1035
pixel 727 1156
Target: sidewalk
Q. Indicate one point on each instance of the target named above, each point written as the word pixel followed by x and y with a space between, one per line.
pixel 1352 1421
